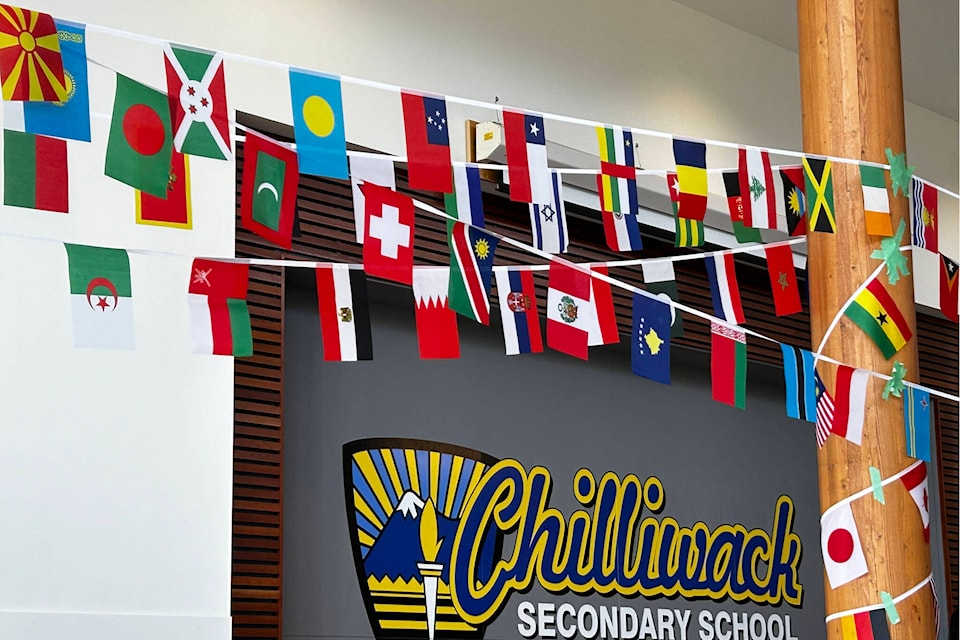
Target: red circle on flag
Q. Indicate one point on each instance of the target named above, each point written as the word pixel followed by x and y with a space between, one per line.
pixel 143 129
pixel 840 545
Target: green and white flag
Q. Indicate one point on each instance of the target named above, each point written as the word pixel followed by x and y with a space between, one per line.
pixel 101 297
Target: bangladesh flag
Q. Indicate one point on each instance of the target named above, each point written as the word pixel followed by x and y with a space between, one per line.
pixel 197 93
pixel 101 297
pixel 34 172
pixel 140 145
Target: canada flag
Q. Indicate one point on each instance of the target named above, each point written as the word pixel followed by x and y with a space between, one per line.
pixel 915 481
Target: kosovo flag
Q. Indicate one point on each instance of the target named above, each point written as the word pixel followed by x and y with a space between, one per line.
pixel 650 350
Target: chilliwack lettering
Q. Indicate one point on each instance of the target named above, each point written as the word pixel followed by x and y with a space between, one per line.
pixel 610 549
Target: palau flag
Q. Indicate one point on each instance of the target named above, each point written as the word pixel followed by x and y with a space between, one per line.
pixel 916 421
pixel 67 119
pixel 318 123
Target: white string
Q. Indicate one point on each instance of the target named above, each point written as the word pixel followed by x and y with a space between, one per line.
pixel 903 596
pixel 868 490
pixel 836 318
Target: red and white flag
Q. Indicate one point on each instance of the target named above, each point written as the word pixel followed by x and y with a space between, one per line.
pixel 527 168
pixel 219 316
pixel 569 310
pixel 783 280
pixel 437 334
pixel 376 169
pixel 388 234
pixel 915 481
pixel 757 189
pixel 344 313
pixel 843 557
pixel 604 330
pixel 850 402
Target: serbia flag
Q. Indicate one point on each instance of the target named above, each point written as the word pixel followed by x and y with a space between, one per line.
pixel 518 311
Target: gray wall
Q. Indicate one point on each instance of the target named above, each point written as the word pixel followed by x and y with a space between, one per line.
pixel 717 464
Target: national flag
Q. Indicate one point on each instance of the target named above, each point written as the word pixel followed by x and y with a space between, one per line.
pixel 660 280
pixel 518 311
pixel 874 311
pixel 650 350
pixel 843 557
pixel 756 188
pixel 388 239
pixel 617 187
pixel 35 172
pixel 915 482
pixel 31 66
pixel 548 220
pixel 794 200
pixel 219 316
pixel 101 297
pixel 197 93
pixel 783 280
pixel 876 202
pixel 526 144
pixel 603 328
pixel 437 335
pixel 818 190
pixel 344 313
pixel 724 288
pixel 428 142
pixel 825 409
pixel 568 310
pixel 621 230
pixel 140 144
pixel 368 168
pixel 318 123
pixel 948 288
pixel 268 189
pixel 689 232
pixel 69 118
pixel 691 159
pixel 175 210
pixel 923 210
pixel 728 365
pixel 916 421
pixel 850 403
pixel 471 266
pixel 466 202
pixel 743 233
pixel 866 625
pixel 800 382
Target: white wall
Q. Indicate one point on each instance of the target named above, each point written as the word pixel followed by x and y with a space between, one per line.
pixel 118 465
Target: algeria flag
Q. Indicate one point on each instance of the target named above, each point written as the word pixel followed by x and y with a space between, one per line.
pixel 197 93
pixel 100 295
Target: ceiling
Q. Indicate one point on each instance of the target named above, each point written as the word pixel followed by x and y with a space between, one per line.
pixel 929 42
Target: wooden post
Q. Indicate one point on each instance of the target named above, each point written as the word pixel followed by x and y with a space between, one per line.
pixel 852 104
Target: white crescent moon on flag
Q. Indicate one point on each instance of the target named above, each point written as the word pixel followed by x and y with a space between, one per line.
pixel 102 282
pixel 272 189
pixel 673 312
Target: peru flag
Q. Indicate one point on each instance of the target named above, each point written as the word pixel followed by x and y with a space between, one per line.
pixel 437 334
pixel 843 557
pixel 518 311
pixel 527 168
pixel 568 310
pixel 344 313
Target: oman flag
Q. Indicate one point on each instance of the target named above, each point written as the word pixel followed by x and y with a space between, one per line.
pixel 197 94
pixel 728 365
pixel 101 297
pixel 219 316
pixel 35 172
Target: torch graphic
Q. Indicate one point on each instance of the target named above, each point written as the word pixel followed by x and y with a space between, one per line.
pixel 430 569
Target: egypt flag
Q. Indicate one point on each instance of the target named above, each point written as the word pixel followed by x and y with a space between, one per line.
pixel 518 311
pixel 268 189
pixel 101 297
pixel 437 335
pixel 568 310
pixel 915 482
pixel 35 172
pixel 471 266
pixel 843 557
pixel 948 288
pixel 874 311
pixel 526 144
pixel 219 316
pixel 865 625
pixel 31 67
pixel 757 189
pixel 724 288
pixel 175 210
pixel 923 211
pixel 197 94
pixel 691 159
pixel 344 313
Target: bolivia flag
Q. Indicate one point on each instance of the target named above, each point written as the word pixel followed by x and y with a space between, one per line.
pixel 219 316
pixel 877 314
pixel 101 297
pixel 728 365
pixel 34 172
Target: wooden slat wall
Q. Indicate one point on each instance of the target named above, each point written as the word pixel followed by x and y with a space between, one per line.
pixel 326 222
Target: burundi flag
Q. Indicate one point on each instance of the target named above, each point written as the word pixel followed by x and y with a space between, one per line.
pixel 101 297
pixel 69 118
pixel 689 232
pixel 876 202
pixel 471 268
pixel 318 123
pixel 691 159
pixel 198 101
pixel 31 66
pixel 819 194
pixel 874 311
pixel 35 172
pixel 140 144
pixel 268 189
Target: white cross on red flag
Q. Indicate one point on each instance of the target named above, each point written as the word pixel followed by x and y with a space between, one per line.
pixel 388 234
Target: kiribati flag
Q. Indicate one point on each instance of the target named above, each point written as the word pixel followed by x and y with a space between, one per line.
pixel 518 311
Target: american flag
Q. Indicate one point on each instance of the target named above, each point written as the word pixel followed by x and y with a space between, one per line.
pixel 824 412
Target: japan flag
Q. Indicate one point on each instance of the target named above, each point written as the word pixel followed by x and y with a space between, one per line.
pixel 388 234
pixel 843 557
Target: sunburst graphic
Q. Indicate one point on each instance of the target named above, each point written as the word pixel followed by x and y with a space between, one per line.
pixel 795 202
pixel 482 248
pixel 30 61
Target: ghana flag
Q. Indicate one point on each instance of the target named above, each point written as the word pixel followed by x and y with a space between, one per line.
pixel 874 311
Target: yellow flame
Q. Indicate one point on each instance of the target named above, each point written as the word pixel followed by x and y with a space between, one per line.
pixel 429 532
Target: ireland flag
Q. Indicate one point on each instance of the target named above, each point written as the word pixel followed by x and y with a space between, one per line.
pixel 101 297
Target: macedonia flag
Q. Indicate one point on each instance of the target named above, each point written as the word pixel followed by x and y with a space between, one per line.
pixel 30 62
pixel 874 311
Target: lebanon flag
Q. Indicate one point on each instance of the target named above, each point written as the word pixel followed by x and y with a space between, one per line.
pixel 757 189
pixel 850 402
pixel 344 313
pixel 843 557
pixel 604 330
pixel 527 168
pixel 568 310
pixel 518 311
pixel 268 189
pixel 388 234
pixel 197 94
pixel 101 297
pixel 219 317
pixel 915 481
pixel 728 365
pixel 437 335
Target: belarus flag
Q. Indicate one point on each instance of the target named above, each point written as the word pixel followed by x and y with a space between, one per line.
pixel 569 313
pixel 526 157
pixel 518 311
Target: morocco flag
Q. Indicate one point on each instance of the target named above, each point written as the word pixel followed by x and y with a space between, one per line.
pixel 34 172
pixel 197 94
pixel 219 317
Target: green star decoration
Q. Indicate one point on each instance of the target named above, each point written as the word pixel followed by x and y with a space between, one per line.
pixel 895 383
pixel 890 253
pixel 900 173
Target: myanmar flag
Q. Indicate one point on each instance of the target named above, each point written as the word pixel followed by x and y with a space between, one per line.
pixel 101 297
pixel 30 62
pixel 140 145
pixel 197 93
pixel 34 172
pixel 874 311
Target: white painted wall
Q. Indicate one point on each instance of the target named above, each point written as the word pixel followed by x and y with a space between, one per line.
pixel 117 466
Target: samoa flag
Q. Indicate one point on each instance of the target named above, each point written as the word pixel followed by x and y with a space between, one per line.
pixel 518 311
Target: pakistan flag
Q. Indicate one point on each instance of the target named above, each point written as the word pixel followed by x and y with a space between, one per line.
pixel 101 297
